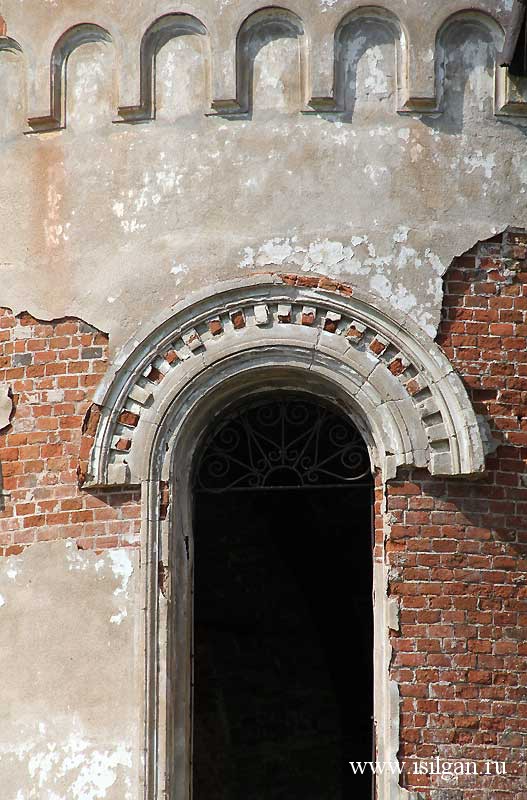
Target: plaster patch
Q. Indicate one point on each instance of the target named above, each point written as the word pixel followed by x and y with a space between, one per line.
pixel 248 258
pixel 435 262
pixel 406 301
pixel 401 234
pixel 375 173
pixel 416 151
pixel 326 254
pixel 381 285
pixel 478 161
pixel 376 81
pixel 55 231
pixel 6 406
pixel 179 270
pixel 88 772
pixel 122 567
pixel 99 773
pixel 88 76
pixel 407 255
pixel 275 251
pixel 2 601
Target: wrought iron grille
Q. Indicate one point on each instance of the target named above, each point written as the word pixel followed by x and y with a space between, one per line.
pixel 283 443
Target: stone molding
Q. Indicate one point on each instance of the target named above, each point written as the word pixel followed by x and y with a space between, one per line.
pixel 420 55
pixel 403 392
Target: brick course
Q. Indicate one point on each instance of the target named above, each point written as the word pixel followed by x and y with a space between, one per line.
pixel 52 369
pixel 458 550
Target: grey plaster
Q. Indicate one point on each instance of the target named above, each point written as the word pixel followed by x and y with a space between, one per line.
pixel 70 663
pixel 379 180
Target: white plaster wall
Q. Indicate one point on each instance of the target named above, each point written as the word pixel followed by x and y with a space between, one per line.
pixel 115 222
pixel 70 709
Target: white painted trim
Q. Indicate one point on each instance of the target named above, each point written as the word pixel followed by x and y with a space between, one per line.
pixel 434 427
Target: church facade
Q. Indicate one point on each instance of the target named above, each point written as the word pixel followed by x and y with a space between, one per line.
pixel 263 400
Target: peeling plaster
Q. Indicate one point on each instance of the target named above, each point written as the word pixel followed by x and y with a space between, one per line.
pixel 274 189
pixel 387 274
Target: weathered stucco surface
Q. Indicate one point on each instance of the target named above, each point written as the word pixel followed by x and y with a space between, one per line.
pixel 370 145
pixel 111 222
pixel 69 658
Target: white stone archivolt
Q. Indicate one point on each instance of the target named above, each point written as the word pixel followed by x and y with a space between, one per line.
pixel 392 378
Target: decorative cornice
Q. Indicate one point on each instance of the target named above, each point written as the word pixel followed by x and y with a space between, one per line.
pixel 419 47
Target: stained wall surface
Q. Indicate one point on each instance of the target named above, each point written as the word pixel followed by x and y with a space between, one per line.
pixel 110 214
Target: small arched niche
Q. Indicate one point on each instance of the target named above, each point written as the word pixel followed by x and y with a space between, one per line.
pixel 175 68
pixel 13 88
pixel 467 45
pixel 271 61
pixel 84 85
pixel 367 62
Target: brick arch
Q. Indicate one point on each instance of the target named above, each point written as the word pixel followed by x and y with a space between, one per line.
pixel 398 384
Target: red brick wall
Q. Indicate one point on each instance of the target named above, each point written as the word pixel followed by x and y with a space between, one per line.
pixel 458 551
pixel 52 369
pixel 457 547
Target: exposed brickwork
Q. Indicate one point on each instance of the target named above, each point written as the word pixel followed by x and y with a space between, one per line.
pixel 52 369
pixel 458 550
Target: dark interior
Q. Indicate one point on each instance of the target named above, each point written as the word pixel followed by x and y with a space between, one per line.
pixel 283 643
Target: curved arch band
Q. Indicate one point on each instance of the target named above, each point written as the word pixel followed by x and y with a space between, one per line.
pixel 395 381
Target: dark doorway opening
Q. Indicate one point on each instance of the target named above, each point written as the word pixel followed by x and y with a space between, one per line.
pixel 283 615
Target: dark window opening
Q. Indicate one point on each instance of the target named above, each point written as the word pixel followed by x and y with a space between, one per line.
pixel 283 615
pixel 518 66
pixel 514 53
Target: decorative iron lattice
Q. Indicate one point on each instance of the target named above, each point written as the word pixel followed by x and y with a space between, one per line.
pixel 286 443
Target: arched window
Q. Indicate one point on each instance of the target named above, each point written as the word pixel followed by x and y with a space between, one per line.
pixel 282 611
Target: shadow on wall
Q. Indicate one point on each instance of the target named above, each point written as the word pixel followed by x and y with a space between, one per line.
pixel 465 75
pixel 367 56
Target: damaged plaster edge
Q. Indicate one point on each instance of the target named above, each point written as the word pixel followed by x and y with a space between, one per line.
pixel 488 232
pixel 492 231
pixel 42 317
pixel 71 548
